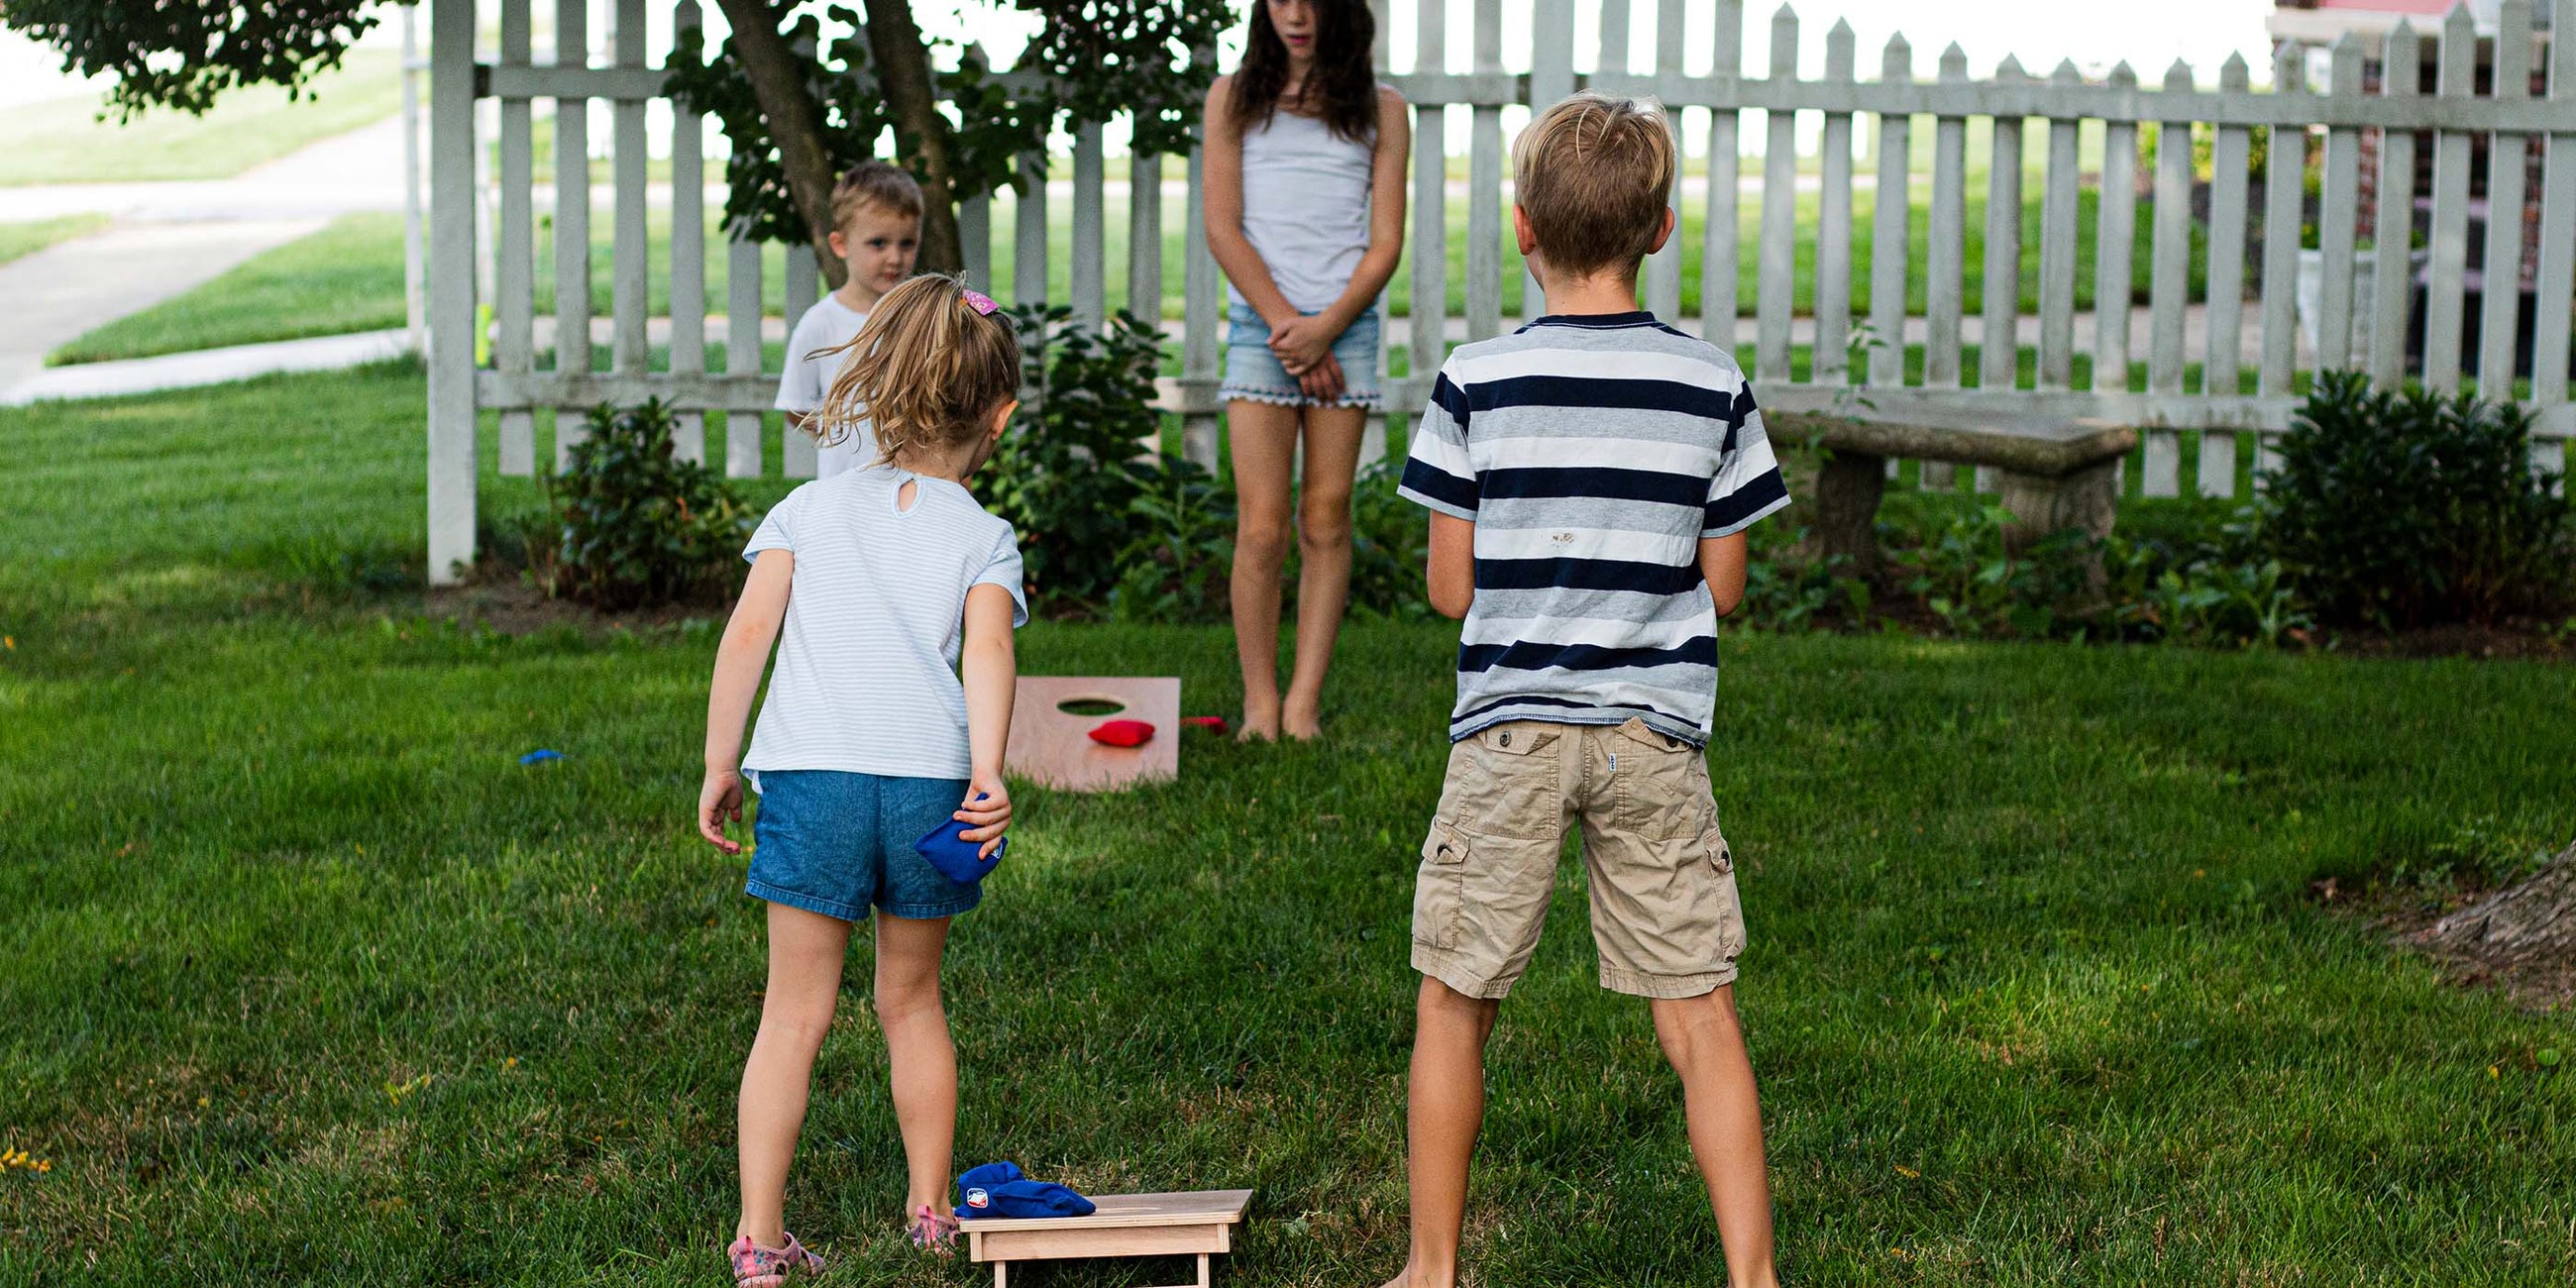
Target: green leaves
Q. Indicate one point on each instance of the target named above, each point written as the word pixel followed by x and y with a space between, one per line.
pixel 638 525
pixel 182 53
pixel 1093 59
pixel 2399 510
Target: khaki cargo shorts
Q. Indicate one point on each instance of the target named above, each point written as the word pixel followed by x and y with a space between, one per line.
pixel 1664 912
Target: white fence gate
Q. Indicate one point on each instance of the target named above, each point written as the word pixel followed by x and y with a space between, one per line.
pixel 2360 319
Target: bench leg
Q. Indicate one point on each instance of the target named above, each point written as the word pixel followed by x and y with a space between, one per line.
pixel 1848 491
pixel 1203 1270
pixel 2087 500
pixel 1001 1274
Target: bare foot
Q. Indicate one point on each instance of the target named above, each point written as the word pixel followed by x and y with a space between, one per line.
pixel 1303 722
pixel 1260 720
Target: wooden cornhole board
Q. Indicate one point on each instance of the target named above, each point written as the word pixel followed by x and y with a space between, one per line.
pixel 1053 748
pixel 1199 1222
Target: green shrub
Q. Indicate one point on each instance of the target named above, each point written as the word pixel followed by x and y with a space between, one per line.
pixel 1390 543
pixel 2395 510
pixel 636 525
pixel 1176 564
pixel 1075 462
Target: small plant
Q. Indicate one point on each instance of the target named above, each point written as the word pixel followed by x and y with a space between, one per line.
pixel 1079 455
pixel 2396 510
pixel 1390 543
pixel 1177 567
pixel 636 525
pixel 1785 590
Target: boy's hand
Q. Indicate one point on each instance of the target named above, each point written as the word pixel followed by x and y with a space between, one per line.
pixel 720 801
pixel 986 811
pixel 1302 343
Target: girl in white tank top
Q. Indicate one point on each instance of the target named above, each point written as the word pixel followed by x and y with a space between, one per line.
pixel 1305 213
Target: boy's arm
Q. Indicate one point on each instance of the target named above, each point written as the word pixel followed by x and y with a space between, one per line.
pixel 1721 561
pixel 990 671
pixel 1450 572
pixel 740 658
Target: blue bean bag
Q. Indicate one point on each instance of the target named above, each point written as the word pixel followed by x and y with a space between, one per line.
pixel 956 857
pixel 1002 1190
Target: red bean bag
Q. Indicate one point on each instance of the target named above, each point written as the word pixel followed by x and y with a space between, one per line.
pixel 1123 733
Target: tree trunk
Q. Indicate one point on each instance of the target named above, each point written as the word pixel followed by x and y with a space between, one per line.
pixel 2532 920
pixel 795 121
pixel 903 76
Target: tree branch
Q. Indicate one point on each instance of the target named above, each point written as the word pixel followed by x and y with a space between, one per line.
pixel 903 74
pixel 795 120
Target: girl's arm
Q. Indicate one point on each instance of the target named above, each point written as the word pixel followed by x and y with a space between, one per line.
pixel 739 661
pixel 1305 344
pixel 991 675
pixel 1386 225
pixel 1223 176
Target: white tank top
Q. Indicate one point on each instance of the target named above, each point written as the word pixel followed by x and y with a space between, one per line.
pixel 1305 207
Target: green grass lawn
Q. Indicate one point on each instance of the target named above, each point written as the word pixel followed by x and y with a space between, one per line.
pixel 304 966
pixel 347 277
pixel 64 141
pixel 26 237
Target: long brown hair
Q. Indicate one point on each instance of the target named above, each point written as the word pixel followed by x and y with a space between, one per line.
pixel 928 368
pixel 1342 82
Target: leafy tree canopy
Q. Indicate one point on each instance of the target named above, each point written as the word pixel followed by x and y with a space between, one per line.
pixel 183 53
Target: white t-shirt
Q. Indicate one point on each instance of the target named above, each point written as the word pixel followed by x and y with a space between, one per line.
pixel 866 675
pixel 829 324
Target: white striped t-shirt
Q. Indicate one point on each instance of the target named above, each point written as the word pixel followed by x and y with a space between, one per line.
pixel 1593 453
pixel 866 675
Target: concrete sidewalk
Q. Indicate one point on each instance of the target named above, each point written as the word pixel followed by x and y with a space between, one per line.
pixel 206 367
pixel 60 293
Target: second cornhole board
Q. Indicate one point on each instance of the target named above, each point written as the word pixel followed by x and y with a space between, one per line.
pixel 1053 747
pixel 1193 1223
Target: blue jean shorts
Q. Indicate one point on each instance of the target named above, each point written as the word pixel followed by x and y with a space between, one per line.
pixel 835 843
pixel 1253 373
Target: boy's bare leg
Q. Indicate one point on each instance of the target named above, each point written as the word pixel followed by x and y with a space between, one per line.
pixel 1702 1038
pixel 922 1054
pixel 1263 437
pixel 804 980
pixel 1445 1107
pixel 1323 558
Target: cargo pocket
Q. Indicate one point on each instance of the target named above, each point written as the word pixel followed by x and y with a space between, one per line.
pixel 1662 783
pixel 1730 910
pixel 1439 889
pixel 1510 789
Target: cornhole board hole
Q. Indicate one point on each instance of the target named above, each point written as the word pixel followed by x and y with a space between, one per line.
pixel 1198 1222
pixel 1052 747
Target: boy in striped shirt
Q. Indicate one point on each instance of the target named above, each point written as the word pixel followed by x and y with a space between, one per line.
pixel 1590 478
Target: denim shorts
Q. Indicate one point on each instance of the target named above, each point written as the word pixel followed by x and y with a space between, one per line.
pixel 834 842
pixel 1253 373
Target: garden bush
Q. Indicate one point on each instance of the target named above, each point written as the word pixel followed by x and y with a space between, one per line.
pixel 636 526
pixel 2410 509
pixel 1111 529
pixel 1075 463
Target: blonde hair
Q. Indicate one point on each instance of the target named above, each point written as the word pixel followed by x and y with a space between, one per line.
pixel 874 183
pixel 1593 175
pixel 928 368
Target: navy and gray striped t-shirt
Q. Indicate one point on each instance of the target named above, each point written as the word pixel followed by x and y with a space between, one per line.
pixel 1593 453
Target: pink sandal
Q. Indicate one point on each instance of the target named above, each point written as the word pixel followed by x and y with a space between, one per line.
pixel 933 1233
pixel 755 1266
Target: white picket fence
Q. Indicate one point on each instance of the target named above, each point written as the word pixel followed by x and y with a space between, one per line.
pixel 2361 320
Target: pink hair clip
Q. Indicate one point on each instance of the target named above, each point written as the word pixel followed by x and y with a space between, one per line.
pixel 978 301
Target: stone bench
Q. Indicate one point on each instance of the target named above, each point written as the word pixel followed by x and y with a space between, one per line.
pixel 2054 475
pixel 1195 1223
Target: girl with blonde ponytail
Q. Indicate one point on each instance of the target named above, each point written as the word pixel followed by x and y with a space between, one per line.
pixel 891 596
